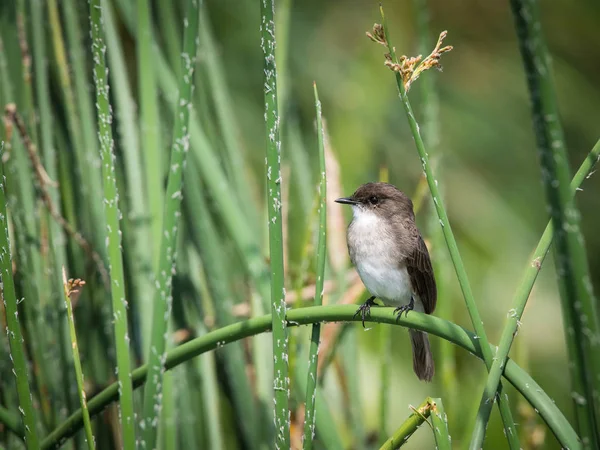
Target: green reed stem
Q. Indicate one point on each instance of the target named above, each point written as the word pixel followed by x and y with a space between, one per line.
pixel 278 306
pixel 113 232
pixel 461 273
pixel 313 358
pixel 87 425
pixel 520 379
pixel 524 290
pixel 13 328
pixel 163 298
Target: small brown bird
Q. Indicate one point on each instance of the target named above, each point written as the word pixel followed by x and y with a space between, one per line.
pixel 392 260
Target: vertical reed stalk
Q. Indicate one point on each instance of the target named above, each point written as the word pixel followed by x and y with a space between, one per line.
pixel 273 161
pixel 113 232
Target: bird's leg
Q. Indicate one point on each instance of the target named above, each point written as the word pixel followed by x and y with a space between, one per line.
pixel 365 309
pixel 405 308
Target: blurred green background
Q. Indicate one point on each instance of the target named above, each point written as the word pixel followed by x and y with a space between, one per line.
pixel 486 163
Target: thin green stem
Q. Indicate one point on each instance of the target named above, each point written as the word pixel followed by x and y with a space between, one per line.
pixel 13 328
pixel 278 307
pixel 313 358
pixel 526 385
pixel 172 211
pixel 113 232
pixel 461 273
pixel 69 290
pixel 524 290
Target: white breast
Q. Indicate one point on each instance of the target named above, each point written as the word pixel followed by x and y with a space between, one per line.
pixel 372 248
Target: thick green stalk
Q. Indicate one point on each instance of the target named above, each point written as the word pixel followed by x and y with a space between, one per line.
pixel 76 360
pixel 526 385
pixel 13 328
pixel 461 273
pixel 524 290
pixel 273 160
pixel 163 298
pixel 313 358
pixel 149 129
pixel 113 232
pixel 580 315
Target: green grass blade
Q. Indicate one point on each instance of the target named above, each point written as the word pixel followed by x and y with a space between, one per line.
pixel 163 297
pixel 524 290
pixel 520 379
pixel 313 358
pixel 13 328
pixel 71 289
pixel 461 273
pixel 273 161
pixel 113 233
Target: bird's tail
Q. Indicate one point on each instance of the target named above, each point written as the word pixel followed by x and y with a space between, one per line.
pixel 422 357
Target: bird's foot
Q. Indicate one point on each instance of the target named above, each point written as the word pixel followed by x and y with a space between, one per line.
pixel 405 308
pixel 365 309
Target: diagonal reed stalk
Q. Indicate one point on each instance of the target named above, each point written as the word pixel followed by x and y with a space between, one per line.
pixel 113 232
pixel 580 314
pixel 431 408
pixel 524 290
pixel 520 379
pixel 273 161
pixel 313 358
pixel 172 211
pixel 505 412
pixel 13 328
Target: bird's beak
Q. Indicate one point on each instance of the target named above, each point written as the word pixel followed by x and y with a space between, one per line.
pixel 347 201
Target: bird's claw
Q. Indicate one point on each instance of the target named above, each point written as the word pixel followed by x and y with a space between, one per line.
pixel 365 310
pixel 405 308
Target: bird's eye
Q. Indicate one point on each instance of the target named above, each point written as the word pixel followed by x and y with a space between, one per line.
pixel 373 200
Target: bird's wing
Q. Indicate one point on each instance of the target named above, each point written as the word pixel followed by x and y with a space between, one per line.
pixel 421 275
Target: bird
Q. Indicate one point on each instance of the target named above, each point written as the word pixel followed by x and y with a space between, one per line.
pixel 392 260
